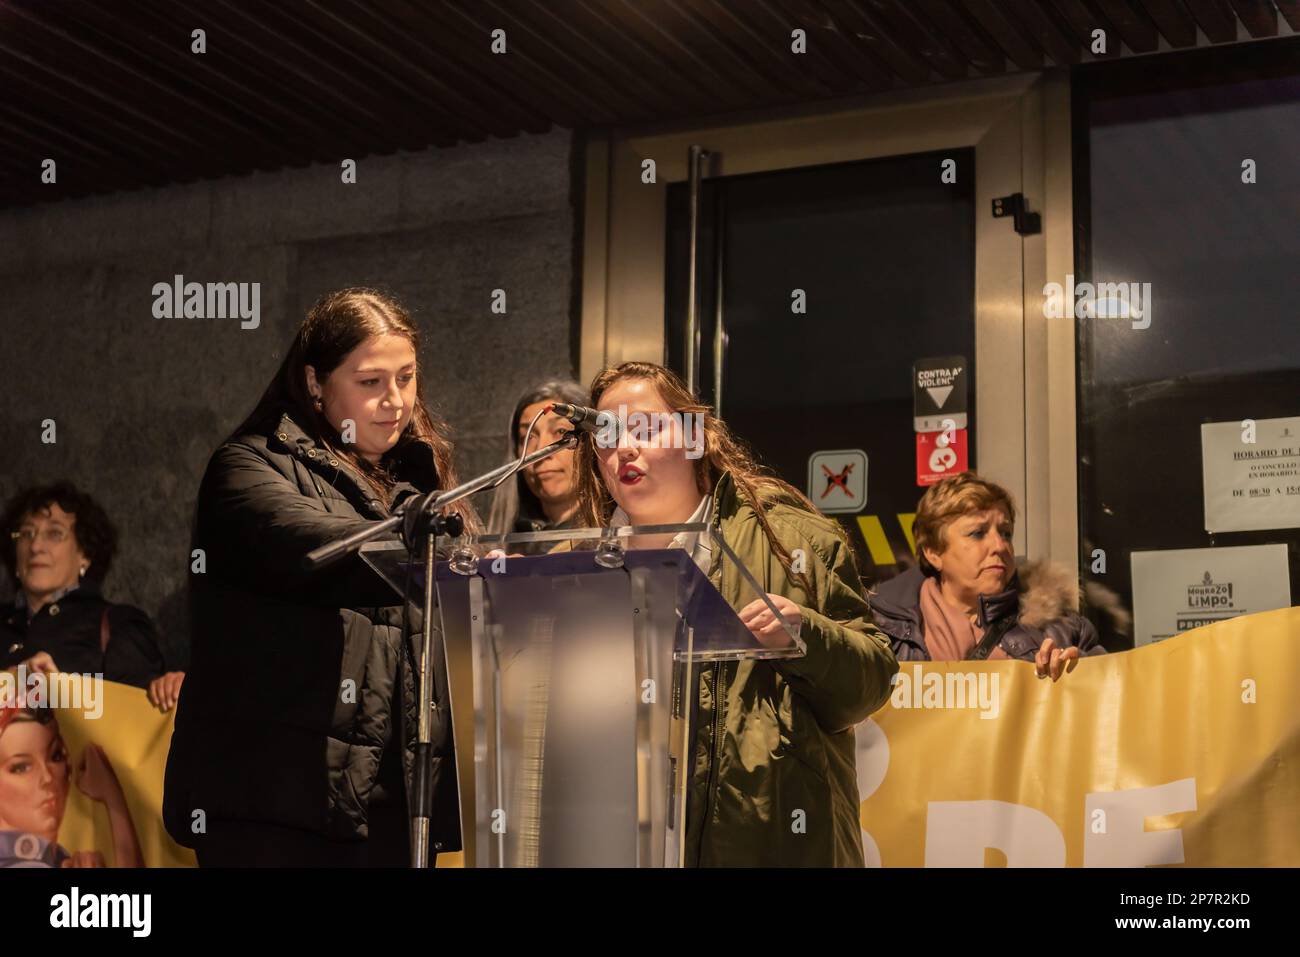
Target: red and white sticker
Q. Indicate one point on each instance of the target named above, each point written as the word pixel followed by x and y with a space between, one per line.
pixel 939 454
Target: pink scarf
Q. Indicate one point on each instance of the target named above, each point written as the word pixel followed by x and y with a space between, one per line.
pixel 949 632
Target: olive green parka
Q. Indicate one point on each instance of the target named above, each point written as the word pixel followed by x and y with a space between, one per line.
pixel 774 779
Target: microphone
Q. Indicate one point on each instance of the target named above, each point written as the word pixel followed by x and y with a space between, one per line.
pixel 604 424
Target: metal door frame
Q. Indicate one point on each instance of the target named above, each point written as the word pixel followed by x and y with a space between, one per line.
pixel 1019 127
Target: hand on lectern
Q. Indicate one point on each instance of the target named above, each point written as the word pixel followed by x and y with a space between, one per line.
pixel 758 618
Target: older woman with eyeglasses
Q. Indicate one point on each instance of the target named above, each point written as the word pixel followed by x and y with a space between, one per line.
pixel 58 547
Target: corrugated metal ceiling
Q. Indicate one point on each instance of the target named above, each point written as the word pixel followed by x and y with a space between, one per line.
pixel 114 93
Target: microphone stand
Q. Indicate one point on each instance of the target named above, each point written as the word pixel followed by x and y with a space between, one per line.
pixel 430 523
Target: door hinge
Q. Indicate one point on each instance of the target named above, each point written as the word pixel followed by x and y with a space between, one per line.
pixel 1027 223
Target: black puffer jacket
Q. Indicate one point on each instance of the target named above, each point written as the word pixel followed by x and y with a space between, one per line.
pixel 73 631
pixel 298 681
pixel 1038 604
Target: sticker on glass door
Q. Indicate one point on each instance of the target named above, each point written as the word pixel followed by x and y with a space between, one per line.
pixel 940 454
pixel 837 480
pixel 939 393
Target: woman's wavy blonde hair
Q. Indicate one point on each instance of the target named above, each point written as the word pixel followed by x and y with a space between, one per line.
pixel 723 453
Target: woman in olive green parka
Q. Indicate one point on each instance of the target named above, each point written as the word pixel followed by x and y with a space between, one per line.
pixel 773 777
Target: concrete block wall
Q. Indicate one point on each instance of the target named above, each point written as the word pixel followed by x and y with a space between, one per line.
pixel 140 403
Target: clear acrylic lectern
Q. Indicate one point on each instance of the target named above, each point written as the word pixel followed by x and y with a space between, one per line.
pixel 568 675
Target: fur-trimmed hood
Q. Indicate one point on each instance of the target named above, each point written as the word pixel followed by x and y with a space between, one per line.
pixel 1047 591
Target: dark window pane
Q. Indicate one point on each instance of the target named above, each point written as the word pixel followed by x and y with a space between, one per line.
pixel 1166 205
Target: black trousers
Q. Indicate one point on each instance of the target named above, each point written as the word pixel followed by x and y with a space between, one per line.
pixel 255 844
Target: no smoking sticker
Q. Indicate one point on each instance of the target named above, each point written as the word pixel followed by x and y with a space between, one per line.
pixel 837 480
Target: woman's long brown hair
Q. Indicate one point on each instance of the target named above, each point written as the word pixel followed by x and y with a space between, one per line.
pixel 723 452
pixel 336 325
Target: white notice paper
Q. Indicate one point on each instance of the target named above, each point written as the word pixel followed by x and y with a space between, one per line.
pixel 1181 589
pixel 1251 486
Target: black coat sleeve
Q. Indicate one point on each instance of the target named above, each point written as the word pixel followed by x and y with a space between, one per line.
pixel 255 527
pixel 134 654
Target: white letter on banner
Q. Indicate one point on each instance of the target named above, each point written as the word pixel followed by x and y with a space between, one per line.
pixel 957 832
pixel 1126 841
pixel 873 763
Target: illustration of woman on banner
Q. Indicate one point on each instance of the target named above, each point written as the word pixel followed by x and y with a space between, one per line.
pixel 34 778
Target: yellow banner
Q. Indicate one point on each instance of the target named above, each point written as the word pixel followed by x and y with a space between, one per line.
pixel 92 773
pixel 1182 752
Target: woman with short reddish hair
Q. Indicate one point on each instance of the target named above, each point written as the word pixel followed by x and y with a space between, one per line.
pixel 967 600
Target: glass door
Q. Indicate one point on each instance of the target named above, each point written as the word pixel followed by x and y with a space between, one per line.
pixel 828 283
pixel 836 250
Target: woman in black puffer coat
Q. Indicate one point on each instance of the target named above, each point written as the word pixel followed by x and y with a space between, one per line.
pixel 294 740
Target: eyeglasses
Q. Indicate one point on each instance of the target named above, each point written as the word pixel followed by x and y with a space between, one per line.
pixel 52 535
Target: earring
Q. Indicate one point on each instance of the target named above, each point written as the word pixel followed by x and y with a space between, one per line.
pixel 83 571
pixel 319 406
